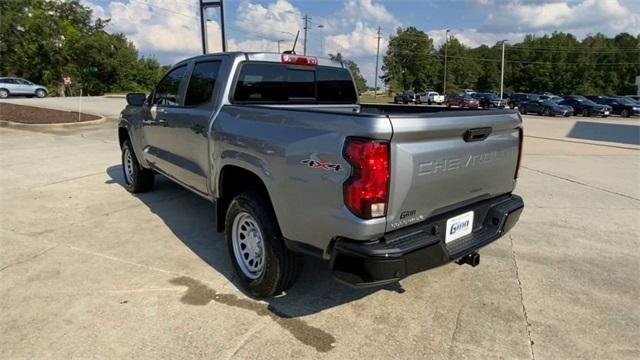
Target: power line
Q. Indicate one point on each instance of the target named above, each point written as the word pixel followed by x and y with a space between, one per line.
pixel 154 6
pixel 582 50
pixel 572 49
pixel 521 61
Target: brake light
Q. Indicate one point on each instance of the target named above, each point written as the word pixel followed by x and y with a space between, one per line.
pixel 366 192
pixel 299 60
pixel 520 139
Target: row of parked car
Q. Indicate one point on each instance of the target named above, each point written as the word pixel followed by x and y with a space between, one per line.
pixel 542 104
pixel 596 105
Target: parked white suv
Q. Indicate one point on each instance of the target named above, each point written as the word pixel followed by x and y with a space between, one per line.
pixel 17 86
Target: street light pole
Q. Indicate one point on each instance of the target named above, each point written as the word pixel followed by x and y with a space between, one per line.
pixel 502 71
pixel 446 43
pixel 279 41
pixel 375 86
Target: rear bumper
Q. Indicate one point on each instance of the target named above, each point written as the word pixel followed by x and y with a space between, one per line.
pixel 421 246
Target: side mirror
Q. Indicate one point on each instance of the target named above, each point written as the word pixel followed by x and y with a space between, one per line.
pixel 136 99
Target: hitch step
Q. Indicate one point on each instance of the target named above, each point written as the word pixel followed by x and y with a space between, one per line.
pixel 472 259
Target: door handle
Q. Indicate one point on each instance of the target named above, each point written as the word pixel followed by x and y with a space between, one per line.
pixel 161 110
pixel 477 134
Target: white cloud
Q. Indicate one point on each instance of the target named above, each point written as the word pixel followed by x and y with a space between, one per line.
pixel 166 29
pixel 368 11
pixel 472 37
pixel 269 21
pixel 360 41
pixel 585 15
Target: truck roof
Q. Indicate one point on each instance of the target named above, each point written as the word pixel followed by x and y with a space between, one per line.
pixel 263 56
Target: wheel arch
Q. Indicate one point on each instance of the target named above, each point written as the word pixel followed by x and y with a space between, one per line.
pixel 123 135
pixel 232 180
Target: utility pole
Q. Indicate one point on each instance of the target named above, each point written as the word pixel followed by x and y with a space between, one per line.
pixel 279 41
pixel 502 71
pixel 375 86
pixel 446 42
pixel 306 27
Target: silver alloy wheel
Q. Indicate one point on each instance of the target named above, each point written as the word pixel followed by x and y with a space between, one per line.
pixel 41 93
pixel 128 165
pixel 4 94
pixel 248 245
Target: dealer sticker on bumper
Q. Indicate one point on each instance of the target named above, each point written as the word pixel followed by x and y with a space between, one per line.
pixel 459 226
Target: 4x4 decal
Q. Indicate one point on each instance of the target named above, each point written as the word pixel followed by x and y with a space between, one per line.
pixel 322 165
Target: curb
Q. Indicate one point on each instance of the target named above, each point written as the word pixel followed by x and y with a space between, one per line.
pixel 70 125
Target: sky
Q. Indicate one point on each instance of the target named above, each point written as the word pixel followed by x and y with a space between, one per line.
pixel 169 30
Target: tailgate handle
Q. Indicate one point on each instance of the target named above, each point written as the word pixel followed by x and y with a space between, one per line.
pixel 477 134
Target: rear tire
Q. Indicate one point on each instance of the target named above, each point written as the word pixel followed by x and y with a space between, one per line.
pixel 136 178
pixel 586 113
pixel 253 237
pixel 522 109
pixel 4 93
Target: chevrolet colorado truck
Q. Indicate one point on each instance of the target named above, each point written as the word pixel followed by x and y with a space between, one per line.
pixel 295 164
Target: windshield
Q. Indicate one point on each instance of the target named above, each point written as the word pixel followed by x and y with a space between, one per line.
pixel 626 101
pixel 552 101
pixel 260 82
pixel 586 101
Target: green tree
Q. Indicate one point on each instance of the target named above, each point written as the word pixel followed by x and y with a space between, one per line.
pixel 463 70
pixel 361 82
pixel 410 62
pixel 45 40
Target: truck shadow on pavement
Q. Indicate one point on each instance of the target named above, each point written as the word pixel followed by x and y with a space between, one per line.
pixel 620 133
pixel 192 220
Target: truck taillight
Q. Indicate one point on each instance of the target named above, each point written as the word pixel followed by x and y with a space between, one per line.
pixel 366 192
pixel 520 140
pixel 293 59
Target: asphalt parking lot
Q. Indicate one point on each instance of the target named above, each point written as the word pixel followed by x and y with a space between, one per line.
pixel 89 271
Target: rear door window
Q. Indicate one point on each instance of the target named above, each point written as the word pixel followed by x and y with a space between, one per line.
pixel 202 82
pixel 168 90
pixel 278 83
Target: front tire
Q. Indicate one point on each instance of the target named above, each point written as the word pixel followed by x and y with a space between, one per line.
pixel 41 93
pixel 586 113
pixel 626 113
pixel 265 266
pixel 136 178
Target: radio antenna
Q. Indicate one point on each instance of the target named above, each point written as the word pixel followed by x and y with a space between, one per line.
pixel 293 51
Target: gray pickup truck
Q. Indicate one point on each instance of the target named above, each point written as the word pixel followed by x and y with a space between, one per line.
pixel 295 164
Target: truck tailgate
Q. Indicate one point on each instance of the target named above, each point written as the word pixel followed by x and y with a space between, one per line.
pixel 441 161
